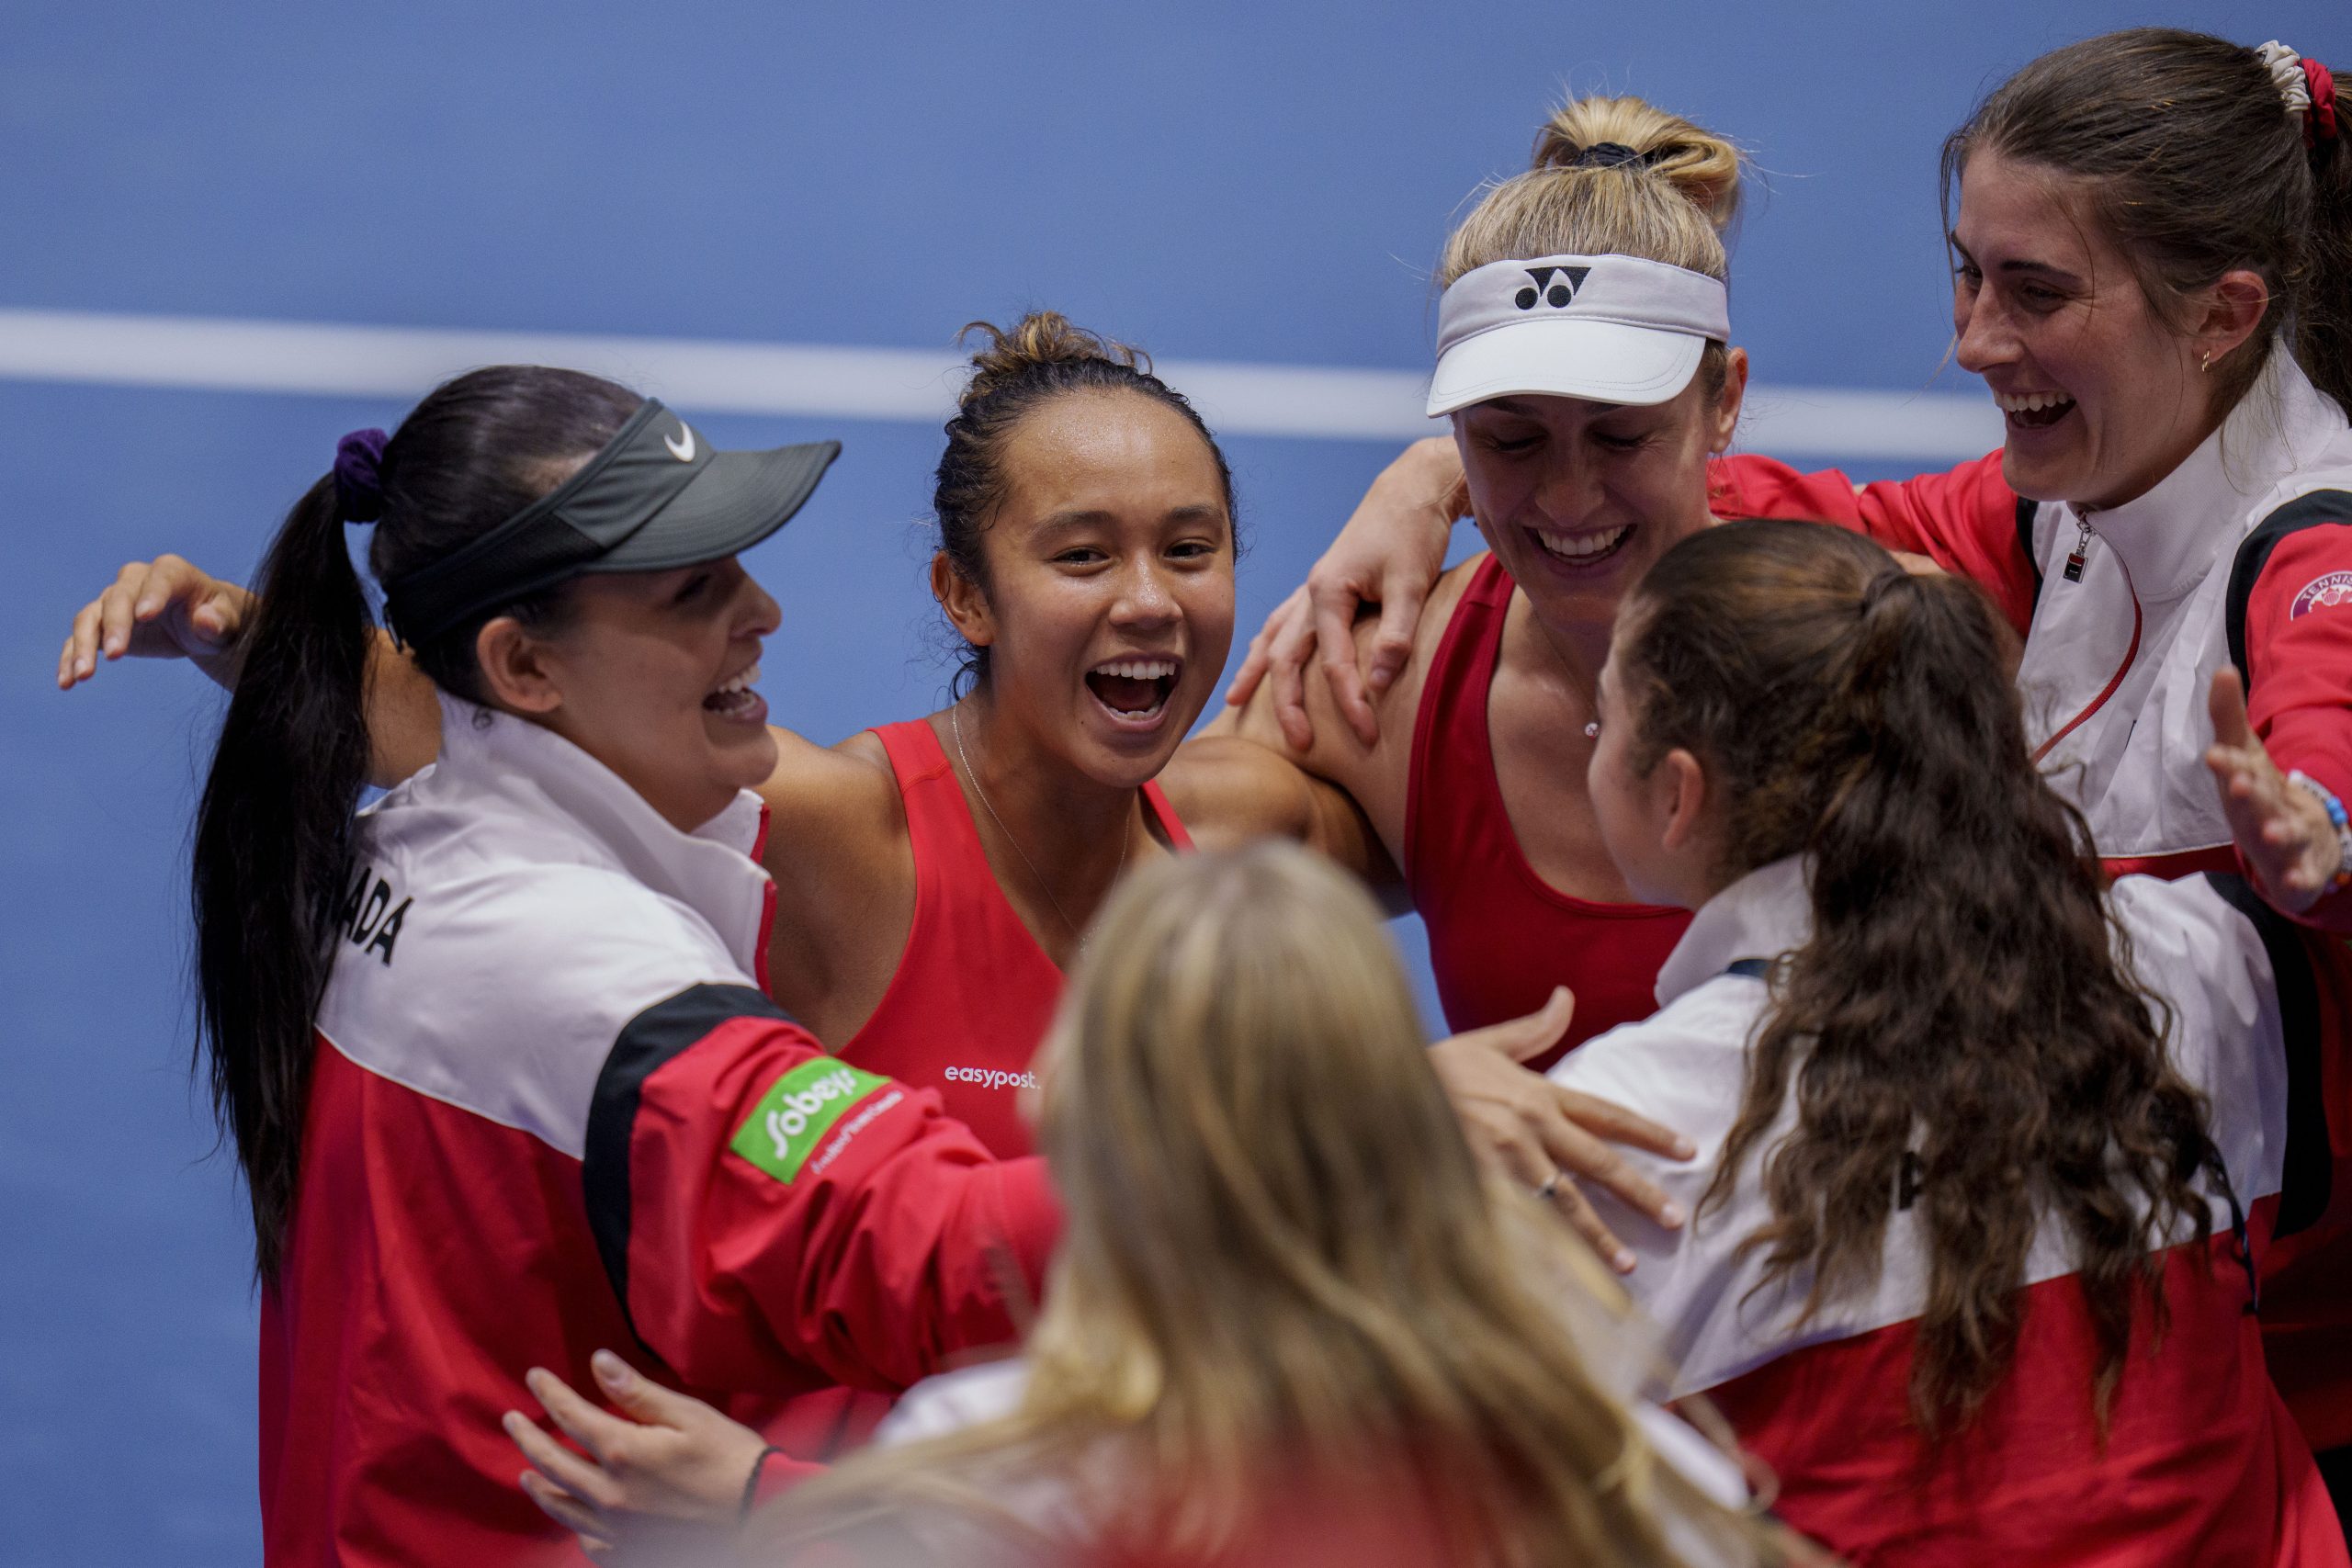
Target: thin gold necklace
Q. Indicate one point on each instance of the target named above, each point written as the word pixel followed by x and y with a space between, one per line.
pixel 956 724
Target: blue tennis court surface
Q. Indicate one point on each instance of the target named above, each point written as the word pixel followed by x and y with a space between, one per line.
pixel 1251 185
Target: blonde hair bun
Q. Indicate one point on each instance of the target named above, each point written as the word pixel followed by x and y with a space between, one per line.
pixel 1703 166
pixel 1608 176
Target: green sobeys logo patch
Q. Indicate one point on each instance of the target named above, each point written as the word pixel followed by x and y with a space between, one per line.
pixel 796 1112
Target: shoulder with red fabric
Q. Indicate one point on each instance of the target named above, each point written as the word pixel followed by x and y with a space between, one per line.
pixel 2289 623
pixel 763 1208
pixel 1967 519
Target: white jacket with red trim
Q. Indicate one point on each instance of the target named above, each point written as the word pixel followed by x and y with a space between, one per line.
pixel 2117 664
pixel 2202 1464
pixel 552 1111
pixel 2119 658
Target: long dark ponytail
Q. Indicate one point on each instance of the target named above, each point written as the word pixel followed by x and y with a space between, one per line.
pixel 274 832
pixel 1960 1028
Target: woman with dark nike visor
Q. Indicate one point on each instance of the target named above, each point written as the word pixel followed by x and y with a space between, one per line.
pixel 496 1053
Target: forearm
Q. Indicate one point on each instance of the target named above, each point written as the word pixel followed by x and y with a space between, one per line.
pixel 1339 830
pixel 1230 789
pixel 2298 642
pixel 403 712
pixel 784 1208
pixel 2317 743
pixel 1966 520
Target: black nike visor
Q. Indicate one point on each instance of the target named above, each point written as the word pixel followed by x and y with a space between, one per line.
pixel 657 497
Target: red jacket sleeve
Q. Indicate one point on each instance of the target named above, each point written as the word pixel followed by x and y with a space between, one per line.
pixel 1965 520
pixel 2298 663
pixel 759 1203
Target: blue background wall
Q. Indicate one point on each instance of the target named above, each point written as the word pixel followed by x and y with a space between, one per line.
pixel 1215 181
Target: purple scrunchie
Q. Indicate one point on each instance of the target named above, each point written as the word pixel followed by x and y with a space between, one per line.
pixel 358 486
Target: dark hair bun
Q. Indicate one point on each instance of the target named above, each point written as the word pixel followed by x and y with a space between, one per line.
pixel 1039 338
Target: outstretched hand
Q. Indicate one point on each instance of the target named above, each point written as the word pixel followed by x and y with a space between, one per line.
pixel 2282 832
pixel 1548 1138
pixel 667 1465
pixel 1391 554
pixel 166 608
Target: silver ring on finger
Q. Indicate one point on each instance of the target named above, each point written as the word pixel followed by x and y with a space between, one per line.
pixel 1551 1184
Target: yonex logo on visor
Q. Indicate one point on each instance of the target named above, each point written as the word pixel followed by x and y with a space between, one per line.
pixel 1554 286
pixel 1608 328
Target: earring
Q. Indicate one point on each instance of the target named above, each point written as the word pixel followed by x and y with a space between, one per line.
pixel 2205 365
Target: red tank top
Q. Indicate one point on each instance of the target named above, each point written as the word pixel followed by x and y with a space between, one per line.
pixel 974 992
pixel 1500 937
pixel 964 1012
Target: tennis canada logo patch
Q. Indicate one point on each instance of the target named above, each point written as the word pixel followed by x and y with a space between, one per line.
pixel 800 1117
pixel 2322 593
pixel 1554 286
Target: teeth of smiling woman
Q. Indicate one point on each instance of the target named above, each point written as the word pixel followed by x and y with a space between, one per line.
pixel 2031 403
pixel 1584 546
pixel 1138 669
pixel 742 682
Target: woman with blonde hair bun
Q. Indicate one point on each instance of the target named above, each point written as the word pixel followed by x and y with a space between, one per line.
pixel 1290 1318
pixel 1585 360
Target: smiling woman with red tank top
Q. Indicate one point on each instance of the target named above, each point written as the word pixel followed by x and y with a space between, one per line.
pixel 1493 921
pixel 1582 358
pixel 967 955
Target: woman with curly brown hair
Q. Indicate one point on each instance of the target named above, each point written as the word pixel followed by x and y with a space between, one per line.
pixel 1970 1266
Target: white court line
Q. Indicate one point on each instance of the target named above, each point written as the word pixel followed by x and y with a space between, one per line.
pixel 712 376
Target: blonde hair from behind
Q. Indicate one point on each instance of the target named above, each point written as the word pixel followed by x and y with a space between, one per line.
pixel 1283 1270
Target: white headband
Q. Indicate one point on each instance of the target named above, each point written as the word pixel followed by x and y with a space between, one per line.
pixel 1609 328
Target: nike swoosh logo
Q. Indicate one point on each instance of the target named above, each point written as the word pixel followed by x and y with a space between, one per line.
pixel 683 450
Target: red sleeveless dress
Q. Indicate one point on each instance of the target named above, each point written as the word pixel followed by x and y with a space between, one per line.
pixel 974 992
pixel 1500 937
pixel 964 1014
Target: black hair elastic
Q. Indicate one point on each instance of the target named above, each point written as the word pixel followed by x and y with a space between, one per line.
pixel 751 1486
pixel 1615 155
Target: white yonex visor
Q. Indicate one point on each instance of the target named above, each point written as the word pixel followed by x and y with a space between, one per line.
pixel 1613 328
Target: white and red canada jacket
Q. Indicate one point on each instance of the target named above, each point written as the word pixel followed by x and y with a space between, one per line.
pixel 2127 611
pixel 552 1111
pixel 2201 1464
pixel 2242 554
